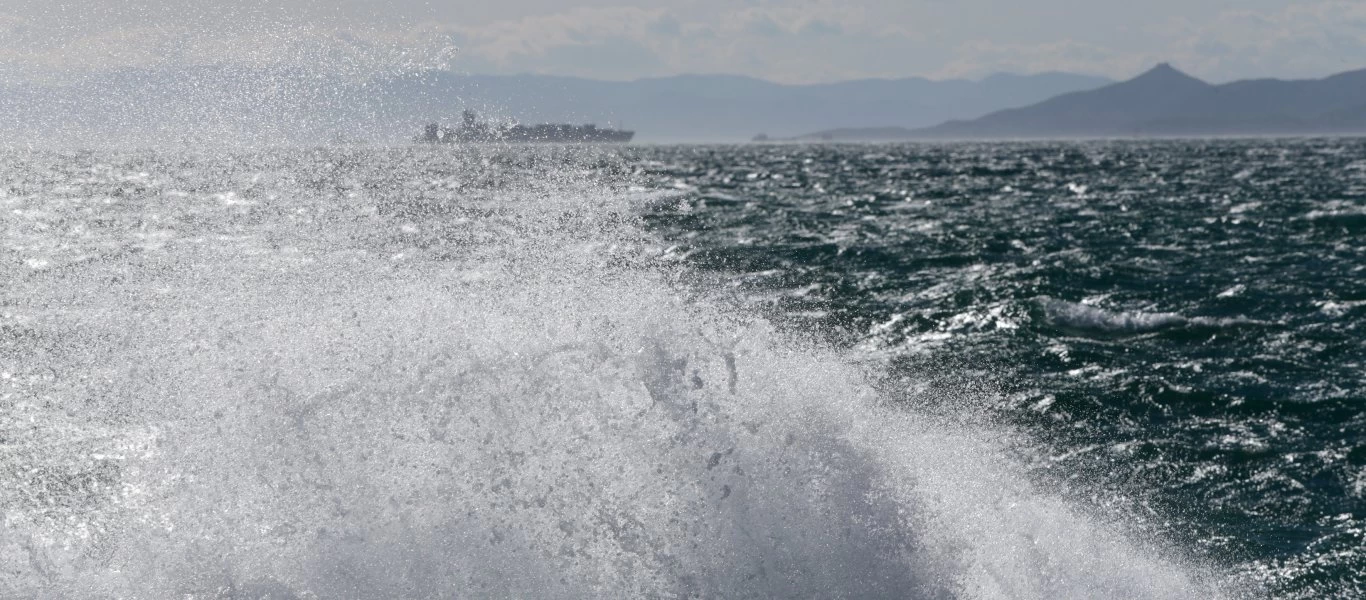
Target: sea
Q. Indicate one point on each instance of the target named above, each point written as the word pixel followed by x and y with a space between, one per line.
pixel 1093 369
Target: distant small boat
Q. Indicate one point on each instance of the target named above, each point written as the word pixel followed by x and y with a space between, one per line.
pixel 471 129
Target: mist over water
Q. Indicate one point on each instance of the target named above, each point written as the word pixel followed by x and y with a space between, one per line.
pixel 468 372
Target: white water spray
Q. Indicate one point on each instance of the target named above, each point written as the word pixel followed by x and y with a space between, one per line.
pixel 458 373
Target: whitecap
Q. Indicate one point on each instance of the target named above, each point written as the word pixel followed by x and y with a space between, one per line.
pixel 1082 316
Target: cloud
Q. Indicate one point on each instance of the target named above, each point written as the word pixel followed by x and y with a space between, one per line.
pixel 789 41
pixel 1302 39
pixel 538 35
pixel 819 28
pixel 981 57
pixel 785 40
pixel 341 52
pixel 666 25
pixel 762 25
pixel 1305 39
pixel 613 58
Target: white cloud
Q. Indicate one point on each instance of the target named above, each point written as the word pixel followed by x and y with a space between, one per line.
pixel 777 41
pixel 979 57
pixel 1299 40
pixel 787 40
pixel 1266 39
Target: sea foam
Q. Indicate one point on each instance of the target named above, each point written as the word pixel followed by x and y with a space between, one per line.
pixel 527 405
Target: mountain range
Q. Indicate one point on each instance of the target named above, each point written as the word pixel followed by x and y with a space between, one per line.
pixel 1163 102
pixel 231 104
pixel 240 105
pixel 730 108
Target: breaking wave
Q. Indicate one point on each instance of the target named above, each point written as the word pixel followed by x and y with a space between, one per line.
pixel 455 373
pixel 1086 317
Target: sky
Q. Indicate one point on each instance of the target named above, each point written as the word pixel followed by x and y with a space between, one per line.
pixel 791 41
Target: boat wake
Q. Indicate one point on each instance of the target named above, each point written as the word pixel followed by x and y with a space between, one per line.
pixel 462 372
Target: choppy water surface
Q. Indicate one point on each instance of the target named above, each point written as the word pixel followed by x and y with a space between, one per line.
pixel 1038 371
pixel 1179 323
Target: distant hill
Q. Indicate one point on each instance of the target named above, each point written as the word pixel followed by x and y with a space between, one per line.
pixel 290 106
pixel 1167 102
pixel 731 108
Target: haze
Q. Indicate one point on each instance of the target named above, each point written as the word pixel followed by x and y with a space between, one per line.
pixel 784 41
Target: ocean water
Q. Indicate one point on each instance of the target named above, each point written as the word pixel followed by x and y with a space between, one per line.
pixel 1177 327
pixel 945 371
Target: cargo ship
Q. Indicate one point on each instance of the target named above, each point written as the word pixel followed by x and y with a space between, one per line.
pixel 471 129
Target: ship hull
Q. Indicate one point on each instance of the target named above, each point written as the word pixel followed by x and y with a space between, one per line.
pixel 476 132
pixel 621 137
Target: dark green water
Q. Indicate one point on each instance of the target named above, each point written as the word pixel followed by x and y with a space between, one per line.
pixel 1178 325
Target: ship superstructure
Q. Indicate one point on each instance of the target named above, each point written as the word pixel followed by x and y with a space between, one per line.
pixel 471 129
